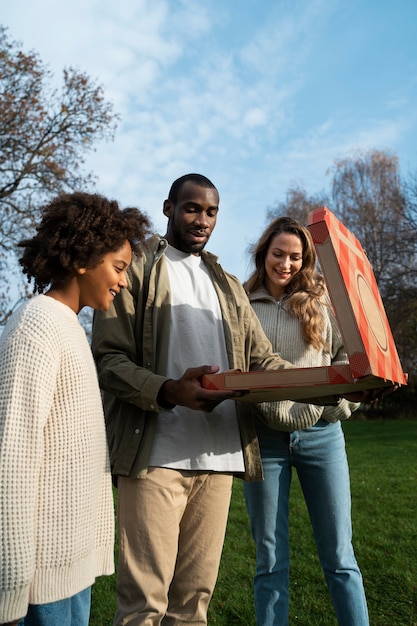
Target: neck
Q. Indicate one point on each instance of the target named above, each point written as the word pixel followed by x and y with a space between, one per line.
pixel 66 296
pixel 275 292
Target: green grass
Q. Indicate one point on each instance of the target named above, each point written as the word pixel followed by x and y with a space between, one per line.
pixel 383 466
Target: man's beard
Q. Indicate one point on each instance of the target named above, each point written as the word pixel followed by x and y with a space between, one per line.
pixel 182 244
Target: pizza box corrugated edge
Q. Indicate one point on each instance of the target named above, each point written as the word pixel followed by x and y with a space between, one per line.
pixel 298 383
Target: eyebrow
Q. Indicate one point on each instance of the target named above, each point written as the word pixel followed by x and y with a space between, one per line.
pixel 276 249
pixel 215 207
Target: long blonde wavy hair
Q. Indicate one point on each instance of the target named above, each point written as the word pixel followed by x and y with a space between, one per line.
pixel 304 295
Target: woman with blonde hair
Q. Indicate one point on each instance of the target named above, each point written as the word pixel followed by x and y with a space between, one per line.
pixel 289 297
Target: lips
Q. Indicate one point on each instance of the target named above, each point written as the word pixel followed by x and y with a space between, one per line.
pixel 198 236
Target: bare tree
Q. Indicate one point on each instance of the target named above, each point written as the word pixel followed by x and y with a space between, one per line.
pixel 410 187
pixel 298 204
pixel 45 135
pixel 368 197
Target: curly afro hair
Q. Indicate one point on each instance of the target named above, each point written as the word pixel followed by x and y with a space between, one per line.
pixel 76 230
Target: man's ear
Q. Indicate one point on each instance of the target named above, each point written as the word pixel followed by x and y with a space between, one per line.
pixel 168 208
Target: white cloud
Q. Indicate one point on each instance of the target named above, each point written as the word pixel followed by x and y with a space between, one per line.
pixel 237 90
pixel 255 117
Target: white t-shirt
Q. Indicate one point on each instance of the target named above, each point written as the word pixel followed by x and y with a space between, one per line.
pixel 188 439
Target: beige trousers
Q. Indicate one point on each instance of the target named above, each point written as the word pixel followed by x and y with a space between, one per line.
pixel 171 532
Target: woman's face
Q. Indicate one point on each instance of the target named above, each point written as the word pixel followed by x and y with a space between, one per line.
pixel 99 286
pixel 284 259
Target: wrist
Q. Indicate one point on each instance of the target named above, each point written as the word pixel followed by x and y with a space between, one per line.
pixel 163 397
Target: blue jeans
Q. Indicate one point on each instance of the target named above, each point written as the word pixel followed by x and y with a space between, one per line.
pixel 74 611
pixel 319 456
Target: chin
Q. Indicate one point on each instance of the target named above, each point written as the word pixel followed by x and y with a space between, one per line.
pixel 198 247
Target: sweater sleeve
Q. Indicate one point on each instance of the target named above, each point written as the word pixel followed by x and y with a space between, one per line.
pixel 26 392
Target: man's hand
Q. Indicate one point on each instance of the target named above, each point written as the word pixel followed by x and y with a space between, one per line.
pixel 188 391
pixel 370 396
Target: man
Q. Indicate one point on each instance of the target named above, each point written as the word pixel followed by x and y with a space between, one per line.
pixel 174 446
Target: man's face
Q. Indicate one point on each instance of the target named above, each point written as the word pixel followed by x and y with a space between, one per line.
pixel 192 219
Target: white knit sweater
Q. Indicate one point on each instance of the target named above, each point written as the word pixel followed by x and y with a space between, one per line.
pixel 284 331
pixel 56 506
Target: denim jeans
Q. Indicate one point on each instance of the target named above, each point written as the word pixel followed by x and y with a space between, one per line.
pixel 73 611
pixel 319 456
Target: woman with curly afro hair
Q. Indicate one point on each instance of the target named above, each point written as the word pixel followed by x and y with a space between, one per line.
pixel 56 506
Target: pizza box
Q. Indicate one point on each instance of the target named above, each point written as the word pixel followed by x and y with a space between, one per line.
pixel 356 299
pixel 298 383
pixel 367 337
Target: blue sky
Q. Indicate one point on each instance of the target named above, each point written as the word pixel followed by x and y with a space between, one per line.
pixel 258 95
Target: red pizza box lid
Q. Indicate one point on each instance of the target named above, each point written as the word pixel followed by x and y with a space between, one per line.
pixel 356 299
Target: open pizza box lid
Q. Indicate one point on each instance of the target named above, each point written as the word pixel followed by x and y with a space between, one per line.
pixel 367 337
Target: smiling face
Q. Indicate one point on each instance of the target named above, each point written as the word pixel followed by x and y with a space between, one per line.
pixel 98 286
pixel 284 259
pixel 192 219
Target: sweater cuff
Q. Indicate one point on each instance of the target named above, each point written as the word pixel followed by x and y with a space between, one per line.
pixel 14 604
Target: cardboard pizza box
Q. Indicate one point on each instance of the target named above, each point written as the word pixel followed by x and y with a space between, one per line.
pixel 373 357
pixel 298 383
pixel 356 299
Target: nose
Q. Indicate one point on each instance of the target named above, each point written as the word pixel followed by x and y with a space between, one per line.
pixel 202 219
pixel 123 280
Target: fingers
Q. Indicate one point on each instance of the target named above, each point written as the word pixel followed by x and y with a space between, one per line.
pixel 373 396
pixel 199 372
pixel 188 391
pixel 209 399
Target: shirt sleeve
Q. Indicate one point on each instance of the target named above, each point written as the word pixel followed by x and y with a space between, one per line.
pixel 26 394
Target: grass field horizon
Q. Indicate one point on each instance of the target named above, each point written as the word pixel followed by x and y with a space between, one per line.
pixel 383 467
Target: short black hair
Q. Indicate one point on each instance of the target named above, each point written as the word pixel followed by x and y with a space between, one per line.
pixel 76 230
pixel 198 179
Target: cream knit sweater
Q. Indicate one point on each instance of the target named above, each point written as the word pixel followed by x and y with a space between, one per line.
pixel 56 507
pixel 284 331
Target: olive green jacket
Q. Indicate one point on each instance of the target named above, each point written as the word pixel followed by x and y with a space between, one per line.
pixel 130 343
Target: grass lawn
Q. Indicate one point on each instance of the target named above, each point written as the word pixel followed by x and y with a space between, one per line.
pixel 383 466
